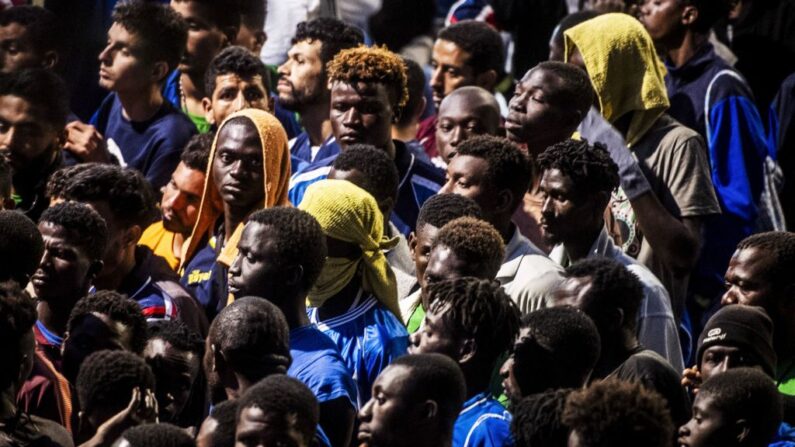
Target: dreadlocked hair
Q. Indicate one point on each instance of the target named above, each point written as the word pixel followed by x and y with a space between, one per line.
pixel 479 309
pixel 590 167
pixel 372 64
pixel 781 246
pixel 538 420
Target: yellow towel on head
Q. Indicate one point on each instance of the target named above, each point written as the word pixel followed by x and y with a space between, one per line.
pixel 349 214
pixel 276 176
pixel 624 68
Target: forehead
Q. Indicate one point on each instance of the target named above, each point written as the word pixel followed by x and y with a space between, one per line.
pixel 193 10
pixel 393 377
pixel 449 53
pixel 371 91
pixel 307 48
pixel 20 107
pixel 753 260
pixel 236 80
pixel 542 79
pixel 444 258
pixel 256 235
pixel 555 178
pixel 120 34
pixel 354 175
pixel 50 231
pixel 427 232
pixel 13 30
pixel 464 105
pixel 468 165
pixel 239 136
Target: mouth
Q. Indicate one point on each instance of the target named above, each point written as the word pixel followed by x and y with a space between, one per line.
pixel 284 86
pixel 681 442
pixel 350 138
pixel 437 98
pixel 233 289
pixel 232 189
pixel 40 280
pixel 363 437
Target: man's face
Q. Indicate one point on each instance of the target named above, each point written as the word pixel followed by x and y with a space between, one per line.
pixel 65 269
pixel 205 39
pixel 237 166
pixel 361 114
pixel 565 212
pixel 661 18
pixel 256 428
pixel 436 336
pixel 443 264
pixel 468 176
pixel 747 280
pixel 461 117
pixel 513 373
pixel 92 333
pixel 420 243
pixel 16 50
pixel 302 81
pixel 122 67
pixel 256 271
pixel 451 70
pixel 708 427
pixel 234 93
pixel 535 112
pixel 27 140
pixel 718 359
pixel 389 415
pixel 181 199
pixel 118 240
pixel 175 372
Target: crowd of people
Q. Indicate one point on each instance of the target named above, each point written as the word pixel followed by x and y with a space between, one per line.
pixel 397 223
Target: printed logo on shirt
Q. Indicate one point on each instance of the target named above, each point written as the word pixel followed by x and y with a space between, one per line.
pixel 198 276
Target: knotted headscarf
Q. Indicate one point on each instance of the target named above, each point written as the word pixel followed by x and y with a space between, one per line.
pixel 276 175
pixel 349 214
pixel 624 68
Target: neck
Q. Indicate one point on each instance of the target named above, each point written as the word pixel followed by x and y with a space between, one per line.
pixel 579 246
pixel 405 133
pixel 55 319
pixel 342 301
pixel 113 280
pixel 140 107
pixel 504 226
pixel 478 379
pixel 294 310
pixel 25 181
pixel 315 120
pixel 680 52
pixel 615 351
pixel 176 243
pixel 232 218
pixel 536 148
pixel 433 440
pixel 389 147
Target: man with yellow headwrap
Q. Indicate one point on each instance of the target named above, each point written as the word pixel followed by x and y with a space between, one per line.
pixel 249 169
pixel 355 299
pixel 666 186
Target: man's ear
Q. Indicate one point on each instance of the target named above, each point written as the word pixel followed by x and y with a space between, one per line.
pixel 160 71
pixel 260 39
pixel 207 105
pixel 504 201
pixel 94 269
pixel 467 351
pixel 217 359
pixel 430 409
pixel 386 205
pixel 132 235
pixel 50 60
pixel 294 274
pixel 487 79
pixel 230 36
pixel 743 431
pixel 689 15
pixel 412 242
pixel 8 204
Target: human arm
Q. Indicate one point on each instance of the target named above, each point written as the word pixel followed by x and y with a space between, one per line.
pixel 142 409
pixel 86 143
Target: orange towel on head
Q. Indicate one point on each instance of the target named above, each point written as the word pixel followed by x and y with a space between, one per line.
pixel 276 175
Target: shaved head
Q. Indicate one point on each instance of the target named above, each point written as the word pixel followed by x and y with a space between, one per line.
pixel 464 113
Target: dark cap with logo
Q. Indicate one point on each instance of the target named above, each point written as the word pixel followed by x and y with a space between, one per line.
pixel 745 327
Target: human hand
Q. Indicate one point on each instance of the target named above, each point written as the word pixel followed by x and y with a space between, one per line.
pixel 86 143
pixel 691 378
pixel 142 409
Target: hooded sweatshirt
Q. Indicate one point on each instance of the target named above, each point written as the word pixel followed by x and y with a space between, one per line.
pixel 207 253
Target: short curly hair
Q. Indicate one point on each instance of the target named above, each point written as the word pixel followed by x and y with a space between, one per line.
pixel 222 14
pixel 196 154
pixel 253 336
pixel 746 393
pixel 577 91
pixel 287 397
pixel 161 31
pixel 298 239
pixel 440 209
pixel 508 167
pixel 127 193
pixel 17 316
pixel 372 64
pixel 475 242
pixel 415 83
pixel 178 335
pixel 21 247
pixel 481 41
pixel 59 180
pixel 480 309
pixel 157 434
pixel 612 413
pixel 589 167
pixel 119 308
pixel 562 337
pixel 225 414
pixel 107 378
pixel 613 286
pixel 85 227
pixel 334 36
pixel 779 245
pixel 43 89
pixel 239 61
pixel 381 178
pixel 538 420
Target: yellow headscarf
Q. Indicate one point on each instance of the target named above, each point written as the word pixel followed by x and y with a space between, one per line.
pixel 276 175
pixel 348 213
pixel 624 68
